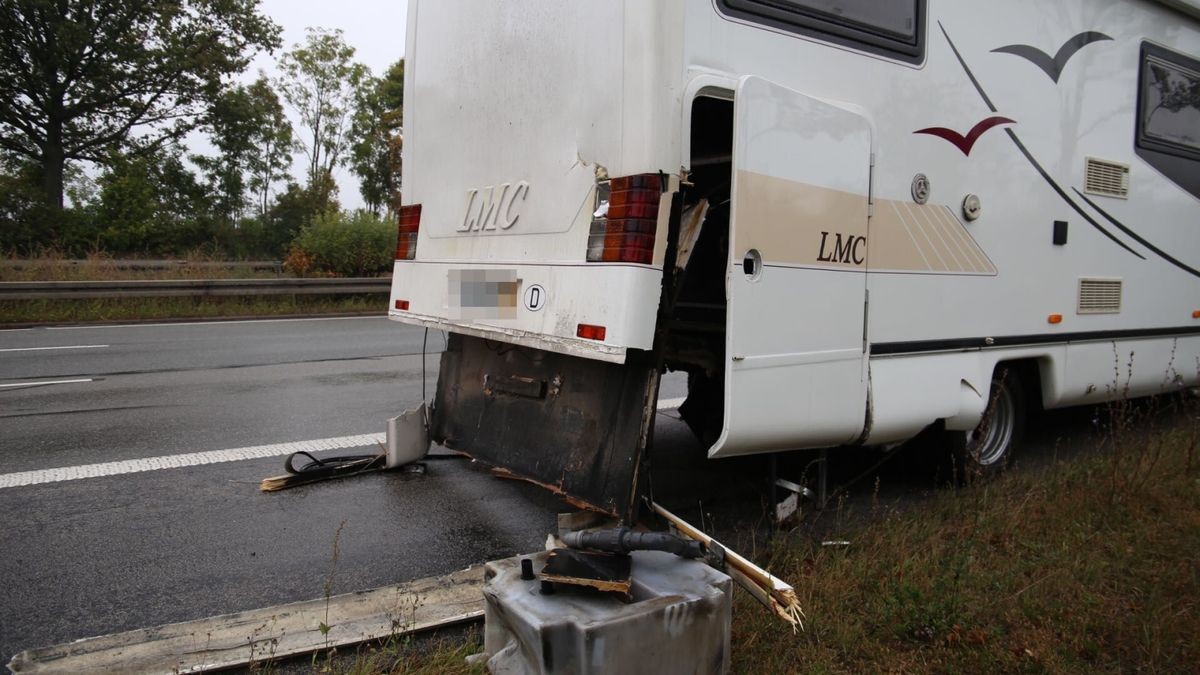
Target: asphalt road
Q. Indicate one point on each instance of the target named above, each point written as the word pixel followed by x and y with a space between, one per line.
pixel 107 554
pixel 100 555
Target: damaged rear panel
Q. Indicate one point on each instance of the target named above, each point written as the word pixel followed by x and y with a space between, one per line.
pixel 572 425
pixel 541 159
pixel 516 115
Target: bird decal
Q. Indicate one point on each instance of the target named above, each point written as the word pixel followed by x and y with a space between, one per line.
pixel 1053 65
pixel 965 143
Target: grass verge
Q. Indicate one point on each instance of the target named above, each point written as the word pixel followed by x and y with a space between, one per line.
pixel 54 266
pixel 443 654
pixel 128 309
pixel 1084 565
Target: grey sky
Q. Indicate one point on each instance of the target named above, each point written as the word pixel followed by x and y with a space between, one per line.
pixel 375 28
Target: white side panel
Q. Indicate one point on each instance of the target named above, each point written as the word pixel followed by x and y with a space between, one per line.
pixel 1104 371
pixel 513 111
pixel 999 277
pixel 616 297
pixel 795 332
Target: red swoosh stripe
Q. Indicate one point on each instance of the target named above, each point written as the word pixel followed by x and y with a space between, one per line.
pixel 966 143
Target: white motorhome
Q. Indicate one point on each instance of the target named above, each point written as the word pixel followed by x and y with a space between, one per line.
pixel 847 220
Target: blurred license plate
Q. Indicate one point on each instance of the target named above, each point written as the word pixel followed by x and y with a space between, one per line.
pixel 484 294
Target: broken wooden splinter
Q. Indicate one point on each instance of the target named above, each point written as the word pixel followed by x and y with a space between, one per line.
pixel 776 595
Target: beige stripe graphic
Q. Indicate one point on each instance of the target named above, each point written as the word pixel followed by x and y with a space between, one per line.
pixel 877 261
pixel 938 228
pixel 955 237
pixel 982 261
pixel 923 228
pixel 793 223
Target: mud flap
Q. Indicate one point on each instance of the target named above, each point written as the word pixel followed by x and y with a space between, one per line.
pixel 573 425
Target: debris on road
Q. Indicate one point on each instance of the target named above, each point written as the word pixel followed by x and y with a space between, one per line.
pixel 676 619
pixel 262 635
pixel 602 571
pixel 407 442
pixel 776 595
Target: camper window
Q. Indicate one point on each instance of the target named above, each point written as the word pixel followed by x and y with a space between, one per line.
pixel 892 27
pixel 1169 107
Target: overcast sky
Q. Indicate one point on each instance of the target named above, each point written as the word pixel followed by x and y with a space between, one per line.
pixel 375 28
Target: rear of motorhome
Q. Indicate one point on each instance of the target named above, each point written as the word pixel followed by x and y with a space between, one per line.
pixel 847 221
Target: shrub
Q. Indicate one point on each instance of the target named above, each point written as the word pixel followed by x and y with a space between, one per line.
pixel 339 244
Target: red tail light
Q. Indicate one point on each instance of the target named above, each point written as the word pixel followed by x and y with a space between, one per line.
pixel 625 223
pixel 406 238
pixel 590 332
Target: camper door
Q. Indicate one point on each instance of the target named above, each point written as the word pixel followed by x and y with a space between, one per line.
pixel 796 280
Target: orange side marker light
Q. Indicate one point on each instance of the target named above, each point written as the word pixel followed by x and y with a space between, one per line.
pixel 1055 319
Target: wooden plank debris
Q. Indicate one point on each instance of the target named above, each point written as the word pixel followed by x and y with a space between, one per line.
pixel 772 592
pixel 257 636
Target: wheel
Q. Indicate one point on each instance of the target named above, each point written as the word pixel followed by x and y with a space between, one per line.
pixel 986 449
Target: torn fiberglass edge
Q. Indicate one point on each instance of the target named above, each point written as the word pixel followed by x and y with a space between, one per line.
pixel 569 424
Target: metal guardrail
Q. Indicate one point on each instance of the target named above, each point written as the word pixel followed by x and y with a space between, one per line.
pixel 42 290
pixel 123 264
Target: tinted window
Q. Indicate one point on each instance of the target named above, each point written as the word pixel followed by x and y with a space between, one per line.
pixel 891 27
pixel 889 17
pixel 1168 119
pixel 1170 103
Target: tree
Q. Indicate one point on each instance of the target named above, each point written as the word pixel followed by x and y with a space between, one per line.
pixel 322 82
pixel 276 144
pixel 297 207
pixel 20 203
pixel 81 79
pixel 151 203
pixel 248 127
pixel 378 130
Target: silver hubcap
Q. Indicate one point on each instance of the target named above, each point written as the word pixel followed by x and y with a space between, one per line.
pixel 988 443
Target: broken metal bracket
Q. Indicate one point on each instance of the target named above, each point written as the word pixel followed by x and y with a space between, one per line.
pixel 715 556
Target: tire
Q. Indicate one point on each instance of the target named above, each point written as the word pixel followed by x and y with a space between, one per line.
pixel 987 449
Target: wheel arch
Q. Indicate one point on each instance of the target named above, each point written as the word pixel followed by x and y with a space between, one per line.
pixel 1039 376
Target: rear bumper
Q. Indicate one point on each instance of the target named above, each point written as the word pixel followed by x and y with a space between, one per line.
pixel 621 298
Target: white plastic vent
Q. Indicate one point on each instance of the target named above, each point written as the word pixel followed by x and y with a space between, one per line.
pixel 1109 179
pixel 1099 296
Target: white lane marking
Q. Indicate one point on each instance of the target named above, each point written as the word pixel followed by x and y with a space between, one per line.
pixel 43 383
pixel 219 323
pixel 14 330
pixel 66 473
pixel 46 349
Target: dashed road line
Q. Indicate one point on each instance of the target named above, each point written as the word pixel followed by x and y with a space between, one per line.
pixel 42 383
pixel 47 349
pixel 218 323
pixel 66 473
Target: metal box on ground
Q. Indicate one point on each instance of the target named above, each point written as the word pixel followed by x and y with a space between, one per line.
pixel 676 621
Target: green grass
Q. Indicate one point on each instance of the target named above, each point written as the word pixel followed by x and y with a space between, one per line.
pixel 439 655
pixel 1089 565
pixel 125 309
pixel 54 266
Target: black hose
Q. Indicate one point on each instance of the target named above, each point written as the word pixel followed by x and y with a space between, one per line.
pixel 333 466
pixel 625 540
